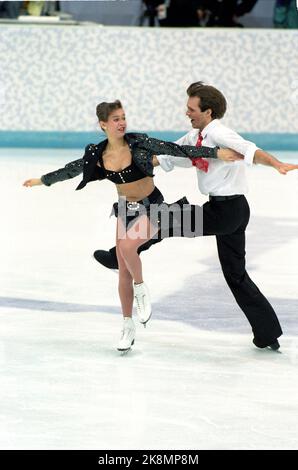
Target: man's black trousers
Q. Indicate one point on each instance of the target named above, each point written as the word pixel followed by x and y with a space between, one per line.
pixel 227 220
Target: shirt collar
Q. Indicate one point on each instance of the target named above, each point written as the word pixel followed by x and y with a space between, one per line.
pixel 209 126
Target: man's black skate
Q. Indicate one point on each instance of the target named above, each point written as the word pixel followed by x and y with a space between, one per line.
pixel 107 258
pixel 274 345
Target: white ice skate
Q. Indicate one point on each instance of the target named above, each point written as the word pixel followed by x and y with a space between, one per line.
pixel 143 304
pixel 128 334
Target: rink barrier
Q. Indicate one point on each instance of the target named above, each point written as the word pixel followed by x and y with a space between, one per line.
pixel 44 139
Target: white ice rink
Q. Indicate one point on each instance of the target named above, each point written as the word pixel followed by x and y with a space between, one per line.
pixel 193 380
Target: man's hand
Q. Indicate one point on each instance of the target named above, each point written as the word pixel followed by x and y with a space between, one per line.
pixel 229 155
pixel 283 168
pixel 33 182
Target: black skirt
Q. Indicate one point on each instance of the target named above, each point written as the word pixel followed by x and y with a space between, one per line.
pixel 129 212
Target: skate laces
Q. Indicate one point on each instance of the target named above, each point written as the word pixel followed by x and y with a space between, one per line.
pixel 138 298
pixel 127 330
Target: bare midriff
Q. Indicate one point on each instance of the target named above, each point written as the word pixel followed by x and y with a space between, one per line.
pixel 137 190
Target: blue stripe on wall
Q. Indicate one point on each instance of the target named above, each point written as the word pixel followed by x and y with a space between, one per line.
pixel 267 141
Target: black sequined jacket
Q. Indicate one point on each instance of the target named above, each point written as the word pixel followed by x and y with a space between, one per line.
pixel 142 149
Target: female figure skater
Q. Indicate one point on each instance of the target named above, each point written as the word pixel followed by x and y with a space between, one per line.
pixel 127 159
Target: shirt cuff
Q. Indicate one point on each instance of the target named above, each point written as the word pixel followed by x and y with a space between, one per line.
pixel 165 162
pixel 44 180
pixel 249 154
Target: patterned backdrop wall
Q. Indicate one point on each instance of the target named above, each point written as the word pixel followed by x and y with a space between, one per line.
pixel 51 78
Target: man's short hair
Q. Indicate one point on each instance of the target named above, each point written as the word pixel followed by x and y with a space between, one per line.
pixel 210 98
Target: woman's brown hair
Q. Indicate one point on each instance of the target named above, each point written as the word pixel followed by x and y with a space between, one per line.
pixel 104 109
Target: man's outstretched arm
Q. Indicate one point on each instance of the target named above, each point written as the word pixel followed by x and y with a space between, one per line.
pixel 265 158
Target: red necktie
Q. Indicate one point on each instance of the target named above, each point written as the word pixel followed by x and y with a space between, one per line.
pixel 200 140
pixel 200 162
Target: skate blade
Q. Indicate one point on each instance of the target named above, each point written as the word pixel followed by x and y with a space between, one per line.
pixel 144 323
pixel 277 351
pixel 123 352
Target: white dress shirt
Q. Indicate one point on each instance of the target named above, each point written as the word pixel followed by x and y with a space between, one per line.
pixel 222 178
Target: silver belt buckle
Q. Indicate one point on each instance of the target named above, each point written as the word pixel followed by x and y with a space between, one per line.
pixel 133 206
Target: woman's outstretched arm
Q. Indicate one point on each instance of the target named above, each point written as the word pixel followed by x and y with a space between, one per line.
pixel 162 147
pixel 70 170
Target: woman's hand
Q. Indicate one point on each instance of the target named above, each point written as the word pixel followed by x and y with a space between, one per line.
pixel 229 155
pixel 155 161
pixel 33 182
